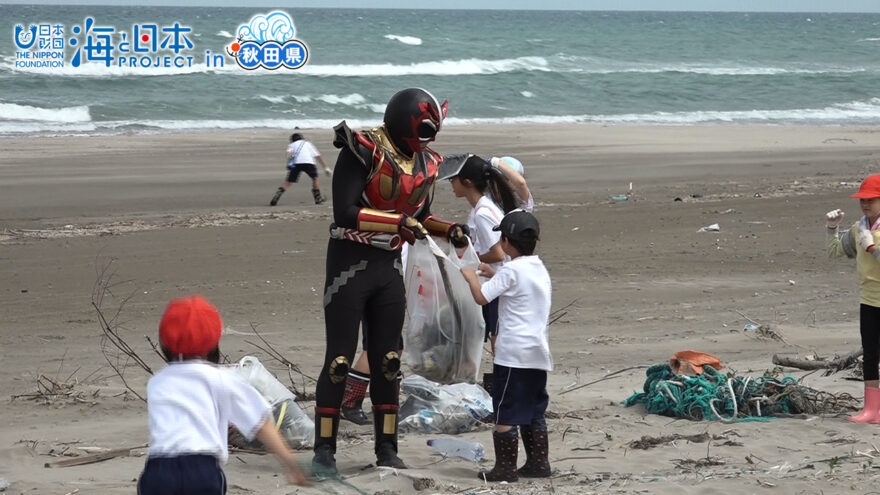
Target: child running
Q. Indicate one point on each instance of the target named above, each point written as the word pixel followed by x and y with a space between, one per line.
pixel 522 352
pixel 860 242
pixel 191 403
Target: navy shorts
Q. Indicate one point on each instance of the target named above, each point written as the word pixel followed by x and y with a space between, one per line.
pixel 309 168
pixel 519 395
pixel 194 474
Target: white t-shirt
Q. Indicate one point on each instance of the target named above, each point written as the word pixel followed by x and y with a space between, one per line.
pixel 303 151
pixel 192 403
pixel 523 289
pixel 482 218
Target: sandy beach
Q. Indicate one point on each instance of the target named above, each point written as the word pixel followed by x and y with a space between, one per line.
pixel 176 214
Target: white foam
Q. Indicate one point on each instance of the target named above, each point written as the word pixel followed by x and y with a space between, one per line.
pixel 353 99
pixel 12 111
pixel 272 99
pixel 856 112
pixel 224 34
pixel 406 40
pixel 440 68
pixel 527 94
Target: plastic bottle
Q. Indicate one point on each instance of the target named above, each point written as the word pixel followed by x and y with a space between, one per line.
pixel 459 447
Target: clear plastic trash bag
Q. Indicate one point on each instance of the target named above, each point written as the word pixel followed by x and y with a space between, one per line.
pixel 444 338
pixel 293 424
pixel 434 408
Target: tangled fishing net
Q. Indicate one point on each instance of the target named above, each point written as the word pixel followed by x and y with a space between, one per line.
pixel 728 398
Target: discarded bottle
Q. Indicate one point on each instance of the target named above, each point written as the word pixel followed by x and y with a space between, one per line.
pixel 459 447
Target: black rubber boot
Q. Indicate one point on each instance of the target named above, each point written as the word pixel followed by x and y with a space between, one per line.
pixel 319 198
pixel 536 442
pixel 277 196
pixel 356 385
pixel 326 430
pixel 506 450
pixel 385 429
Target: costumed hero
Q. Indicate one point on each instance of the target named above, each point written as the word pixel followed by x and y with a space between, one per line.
pixel 382 190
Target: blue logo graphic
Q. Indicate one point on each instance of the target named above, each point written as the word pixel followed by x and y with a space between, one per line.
pixel 146 45
pixel 268 42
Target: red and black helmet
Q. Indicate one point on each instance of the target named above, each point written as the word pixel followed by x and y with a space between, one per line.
pixel 413 118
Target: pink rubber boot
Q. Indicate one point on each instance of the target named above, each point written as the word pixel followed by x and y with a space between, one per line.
pixel 871 412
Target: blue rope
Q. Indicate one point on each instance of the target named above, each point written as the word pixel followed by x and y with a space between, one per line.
pixel 694 397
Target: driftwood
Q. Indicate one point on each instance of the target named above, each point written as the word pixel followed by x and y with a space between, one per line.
pixel 90 458
pixel 837 364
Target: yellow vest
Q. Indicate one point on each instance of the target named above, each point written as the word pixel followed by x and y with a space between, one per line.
pixel 867 266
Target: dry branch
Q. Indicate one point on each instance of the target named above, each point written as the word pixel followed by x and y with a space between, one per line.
pixel 104 285
pixel 91 458
pixel 836 364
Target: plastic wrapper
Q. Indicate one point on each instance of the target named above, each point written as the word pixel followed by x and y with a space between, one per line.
pixel 444 338
pixel 434 408
pixel 293 424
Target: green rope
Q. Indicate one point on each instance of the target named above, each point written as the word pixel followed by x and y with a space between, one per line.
pixel 717 396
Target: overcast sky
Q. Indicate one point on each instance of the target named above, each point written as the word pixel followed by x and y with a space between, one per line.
pixel 692 5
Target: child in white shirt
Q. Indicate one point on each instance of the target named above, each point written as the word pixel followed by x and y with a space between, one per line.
pixel 522 351
pixel 191 403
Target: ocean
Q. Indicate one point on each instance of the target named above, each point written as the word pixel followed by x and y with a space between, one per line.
pixel 684 68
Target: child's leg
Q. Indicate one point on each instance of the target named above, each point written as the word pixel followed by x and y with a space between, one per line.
pixel 869 328
pixel 534 435
pixel 505 403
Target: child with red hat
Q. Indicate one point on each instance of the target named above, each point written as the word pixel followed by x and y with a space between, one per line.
pixel 860 242
pixel 191 403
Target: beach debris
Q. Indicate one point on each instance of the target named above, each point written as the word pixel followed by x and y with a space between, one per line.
pixel 730 398
pixel 92 458
pixel 710 228
pixel 3 484
pixel 814 362
pixel 619 197
pixel 649 442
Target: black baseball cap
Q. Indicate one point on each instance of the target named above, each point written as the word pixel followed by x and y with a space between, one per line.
pixel 519 225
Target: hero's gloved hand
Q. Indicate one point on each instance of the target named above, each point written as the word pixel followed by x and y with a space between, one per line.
pixel 458 235
pixel 866 238
pixel 833 218
pixel 411 229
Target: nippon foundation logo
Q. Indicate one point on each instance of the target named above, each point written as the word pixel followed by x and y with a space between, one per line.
pixel 268 42
pixel 147 45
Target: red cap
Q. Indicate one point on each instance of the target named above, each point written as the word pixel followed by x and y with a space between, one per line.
pixel 870 188
pixel 191 326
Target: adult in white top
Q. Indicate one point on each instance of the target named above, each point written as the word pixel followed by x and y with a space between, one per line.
pixel 302 156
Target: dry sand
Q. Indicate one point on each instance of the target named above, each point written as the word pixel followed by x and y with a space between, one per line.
pixel 186 213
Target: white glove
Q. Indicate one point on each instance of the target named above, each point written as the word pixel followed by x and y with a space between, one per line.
pixel 833 218
pixel 330 173
pixel 866 238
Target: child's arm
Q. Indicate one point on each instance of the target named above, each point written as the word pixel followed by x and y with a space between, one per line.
pixel 275 443
pixel 838 245
pixel 470 277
